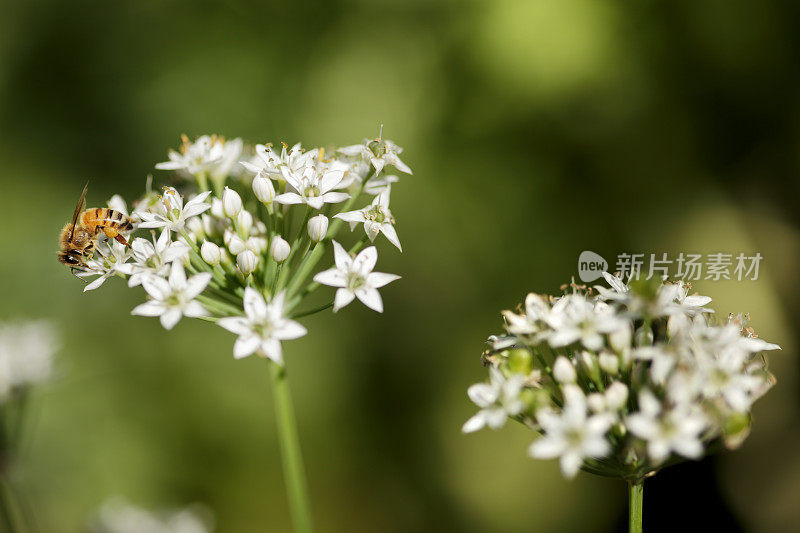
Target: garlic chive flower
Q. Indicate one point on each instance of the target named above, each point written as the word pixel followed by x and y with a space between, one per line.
pixel 379 152
pixel 171 213
pixel 240 226
pixel 26 355
pixel 498 400
pixel 313 188
pixel 109 259
pixel 263 327
pixel 173 298
pixel 117 515
pixel 209 154
pixel 571 435
pixel 377 218
pixel 269 162
pixel 629 378
pixel 153 257
pixel 354 278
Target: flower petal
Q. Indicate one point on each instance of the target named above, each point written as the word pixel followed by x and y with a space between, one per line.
pixel 371 298
pixel 150 308
pixel 343 297
pixel 289 330
pixel 341 257
pixel 197 284
pixel 171 317
pixel 235 324
pixel 246 345
pixel 391 234
pixel 380 279
pixel 254 305
pixel 366 260
pixel 331 277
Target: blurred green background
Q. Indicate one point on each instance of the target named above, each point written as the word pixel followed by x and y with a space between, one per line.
pixel 535 129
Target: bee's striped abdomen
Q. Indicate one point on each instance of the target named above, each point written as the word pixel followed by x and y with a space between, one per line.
pixel 101 217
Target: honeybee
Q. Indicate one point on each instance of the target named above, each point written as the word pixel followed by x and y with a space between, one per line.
pixel 79 237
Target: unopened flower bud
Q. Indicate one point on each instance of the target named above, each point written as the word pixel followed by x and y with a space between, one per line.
pixel 589 363
pixel 596 402
pixel 247 262
pixel 236 244
pixel 216 208
pixel 318 227
pixel 609 363
pixel 563 370
pixel 256 244
pixel 616 395
pixel 263 189
pixel 279 249
pixel 209 225
pixel 195 227
pixel 245 222
pixel 210 253
pixel 231 202
pixel 620 338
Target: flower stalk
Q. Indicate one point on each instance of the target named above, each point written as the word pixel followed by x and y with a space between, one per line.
pixel 293 469
pixel 635 500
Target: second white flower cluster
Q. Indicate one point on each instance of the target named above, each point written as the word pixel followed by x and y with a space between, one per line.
pixel 625 380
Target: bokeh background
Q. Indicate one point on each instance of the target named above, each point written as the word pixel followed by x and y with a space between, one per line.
pixel 536 130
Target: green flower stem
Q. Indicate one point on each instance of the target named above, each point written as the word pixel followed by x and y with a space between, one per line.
pixel 313 311
pixel 308 263
pixel 293 470
pixel 635 495
pixel 202 181
pixel 220 308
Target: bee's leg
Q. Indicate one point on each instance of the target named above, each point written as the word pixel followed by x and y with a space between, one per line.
pixel 77 276
pixel 120 239
pixel 112 233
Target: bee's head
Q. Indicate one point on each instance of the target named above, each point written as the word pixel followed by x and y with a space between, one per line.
pixel 70 258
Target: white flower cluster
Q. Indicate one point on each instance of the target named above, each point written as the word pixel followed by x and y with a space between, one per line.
pixel 26 355
pixel 119 516
pixel 242 250
pixel 625 380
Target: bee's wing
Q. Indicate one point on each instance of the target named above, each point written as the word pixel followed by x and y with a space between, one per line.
pixel 78 209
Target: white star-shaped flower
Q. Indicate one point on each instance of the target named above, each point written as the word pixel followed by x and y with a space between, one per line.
pixel 572 435
pixel 208 153
pixel 380 152
pixel 171 213
pixel 355 279
pixel 174 298
pixel 377 218
pixel 675 430
pixel 497 399
pixel 263 327
pixel 355 172
pixel 108 259
pixel 574 318
pixel 313 188
pixel 291 161
pixel 153 258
